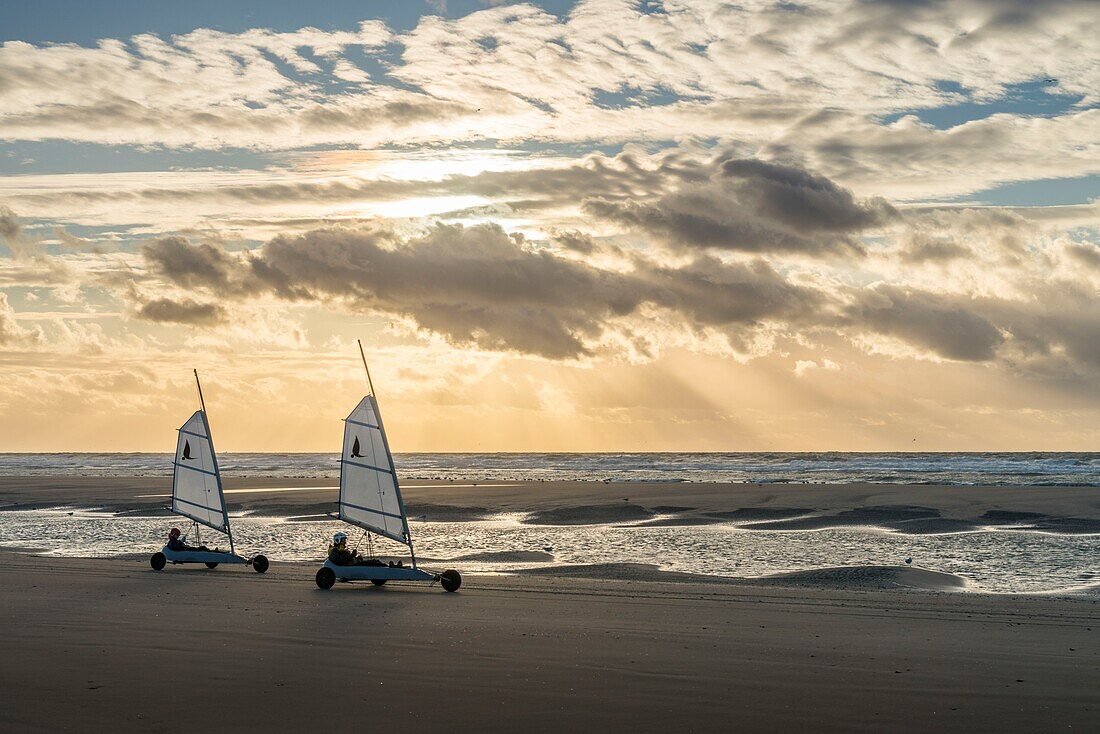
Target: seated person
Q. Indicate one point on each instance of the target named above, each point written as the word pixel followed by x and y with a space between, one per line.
pixel 176 543
pixel 339 553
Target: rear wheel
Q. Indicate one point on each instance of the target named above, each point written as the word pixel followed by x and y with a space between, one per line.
pixel 326 577
pixel 157 561
pixel 259 564
pixel 450 580
pixel 211 565
pixel 376 562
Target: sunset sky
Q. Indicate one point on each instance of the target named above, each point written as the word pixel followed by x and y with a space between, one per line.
pixel 579 226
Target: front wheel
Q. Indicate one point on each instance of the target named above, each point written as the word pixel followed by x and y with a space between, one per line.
pixel 259 564
pixel 326 577
pixel 450 580
pixel 157 561
pixel 210 564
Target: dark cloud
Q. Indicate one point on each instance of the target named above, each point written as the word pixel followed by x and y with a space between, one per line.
pixel 713 293
pixel 921 248
pixel 190 265
pixel 184 311
pixel 478 285
pixel 10 229
pixel 1055 332
pixel 475 285
pixel 575 241
pixel 940 323
pixel 802 200
pixel 753 206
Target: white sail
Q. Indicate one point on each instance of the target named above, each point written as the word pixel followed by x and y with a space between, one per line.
pixel 369 493
pixel 196 481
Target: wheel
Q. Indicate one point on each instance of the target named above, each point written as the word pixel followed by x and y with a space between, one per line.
pixel 326 577
pixel 376 562
pixel 211 565
pixel 450 580
pixel 157 561
pixel 259 564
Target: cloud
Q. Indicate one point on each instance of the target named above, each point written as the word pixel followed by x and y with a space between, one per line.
pixel 545 190
pixel 10 229
pixel 803 366
pixel 1054 332
pixel 1087 255
pixel 474 285
pixel 189 265
pixel 184 311
pixel 911 160
pixel 754 206
pixel 817 77
pixel 922 248
pixel 12 234
pixel 536 187
pixel 941 323
pixel 711 292
pixel 11 333
pixel 479 286
pixel 575 241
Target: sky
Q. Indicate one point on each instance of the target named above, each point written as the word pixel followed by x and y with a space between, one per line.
pixel 603 225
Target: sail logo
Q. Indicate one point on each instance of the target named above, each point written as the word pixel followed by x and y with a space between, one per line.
pixel 187 451
pixel 355 449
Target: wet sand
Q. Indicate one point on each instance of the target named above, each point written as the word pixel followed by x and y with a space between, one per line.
pixel 918 509
pixel 109 645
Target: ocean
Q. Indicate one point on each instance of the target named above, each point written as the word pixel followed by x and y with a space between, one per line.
pixel 1031 468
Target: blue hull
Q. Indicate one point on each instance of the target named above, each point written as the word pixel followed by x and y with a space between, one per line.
pixel 380 573
pixel 201 557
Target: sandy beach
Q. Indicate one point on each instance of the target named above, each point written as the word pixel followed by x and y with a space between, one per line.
pixel 620 646
pixel 109 645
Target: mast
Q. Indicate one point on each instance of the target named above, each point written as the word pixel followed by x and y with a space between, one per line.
pixel 199 384
pixel 370 385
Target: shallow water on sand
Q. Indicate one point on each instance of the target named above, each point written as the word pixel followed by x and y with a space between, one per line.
pixel 990 560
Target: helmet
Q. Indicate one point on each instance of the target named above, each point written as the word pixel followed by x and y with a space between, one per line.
pixel 174 533
pixel 339 538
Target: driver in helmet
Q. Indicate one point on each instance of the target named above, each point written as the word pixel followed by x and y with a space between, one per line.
pixel 339 553
pixel 176 543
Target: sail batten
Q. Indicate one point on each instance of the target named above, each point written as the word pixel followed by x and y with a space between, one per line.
pixel 370 496
pixel 196 481
pixel 193 468
pixel 367 466
pixel 358 423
